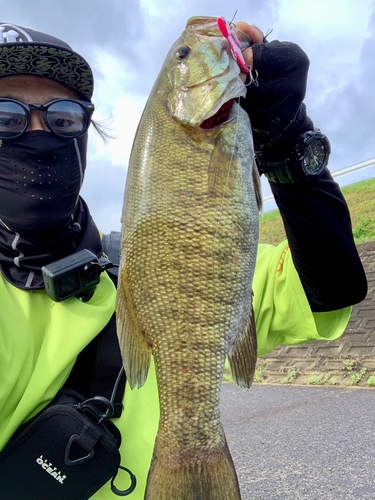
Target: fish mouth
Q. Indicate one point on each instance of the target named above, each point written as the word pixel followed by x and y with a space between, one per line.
pixel 219 117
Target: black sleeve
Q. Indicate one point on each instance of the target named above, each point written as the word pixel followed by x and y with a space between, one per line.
pixel 315 214
pixel 319 232
pixel 275 103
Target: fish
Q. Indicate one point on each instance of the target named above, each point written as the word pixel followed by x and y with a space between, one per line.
pixel 189 241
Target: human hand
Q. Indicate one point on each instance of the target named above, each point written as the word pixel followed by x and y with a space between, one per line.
pixel 256 36
pixel 274 104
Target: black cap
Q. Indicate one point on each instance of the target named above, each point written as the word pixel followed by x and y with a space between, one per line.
pixel 27 52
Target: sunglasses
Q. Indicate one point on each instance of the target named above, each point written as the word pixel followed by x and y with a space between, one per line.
pixel 63 117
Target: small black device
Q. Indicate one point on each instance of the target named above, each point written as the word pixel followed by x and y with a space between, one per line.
pixel 308 160
pixel 68 451
pixel 76 275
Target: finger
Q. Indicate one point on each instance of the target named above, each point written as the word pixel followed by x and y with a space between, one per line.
pixel 248 56
pixel 256 36
pixel 253 31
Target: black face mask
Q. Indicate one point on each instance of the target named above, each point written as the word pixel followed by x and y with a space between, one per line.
pixel 40 179
pixel 42 217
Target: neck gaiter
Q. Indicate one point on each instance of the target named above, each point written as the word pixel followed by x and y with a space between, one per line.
pixel 42 217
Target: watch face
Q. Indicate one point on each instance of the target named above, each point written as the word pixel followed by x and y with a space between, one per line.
pixel 315 157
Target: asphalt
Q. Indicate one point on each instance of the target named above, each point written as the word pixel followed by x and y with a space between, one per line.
pixel 301 443
pixel 347 361
pixel 291 439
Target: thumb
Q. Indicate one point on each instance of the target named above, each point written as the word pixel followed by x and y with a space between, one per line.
pixel 256 36
pixel 253 31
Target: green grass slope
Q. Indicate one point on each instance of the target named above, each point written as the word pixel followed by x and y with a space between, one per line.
pixel 360 198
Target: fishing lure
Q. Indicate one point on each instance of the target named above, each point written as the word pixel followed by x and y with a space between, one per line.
pixel 234 43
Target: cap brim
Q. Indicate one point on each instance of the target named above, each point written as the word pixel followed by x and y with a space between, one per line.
pixel 65 66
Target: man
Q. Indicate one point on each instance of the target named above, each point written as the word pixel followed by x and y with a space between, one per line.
pixel 303 288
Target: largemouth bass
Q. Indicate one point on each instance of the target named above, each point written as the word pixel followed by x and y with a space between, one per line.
pixel 189 245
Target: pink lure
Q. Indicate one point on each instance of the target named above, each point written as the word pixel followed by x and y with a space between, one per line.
pixel 231 36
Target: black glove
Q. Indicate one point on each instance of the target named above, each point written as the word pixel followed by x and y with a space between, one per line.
pixel 275 108
pixel 315 215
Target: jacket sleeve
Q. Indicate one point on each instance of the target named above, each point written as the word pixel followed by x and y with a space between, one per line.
pixel 318 227
pixel 282 312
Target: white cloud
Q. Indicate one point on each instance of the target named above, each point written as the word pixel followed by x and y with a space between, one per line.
pixel 119 106
pixel 332 34
pixel 126 42
pixel 123 125
pixel 325 18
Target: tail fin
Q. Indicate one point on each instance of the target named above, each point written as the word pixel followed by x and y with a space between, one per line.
pixel 199 475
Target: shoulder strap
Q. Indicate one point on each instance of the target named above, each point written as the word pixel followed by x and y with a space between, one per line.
pixel 98 365
pixel 97 368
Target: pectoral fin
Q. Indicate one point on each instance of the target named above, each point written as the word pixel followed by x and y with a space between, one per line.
pixel 258 188
pixel 242 355
pixel 219 180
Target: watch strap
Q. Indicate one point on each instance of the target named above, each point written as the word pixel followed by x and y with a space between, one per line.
pixel 281 172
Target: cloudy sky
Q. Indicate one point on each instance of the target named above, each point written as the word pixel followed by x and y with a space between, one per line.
pixel 126 41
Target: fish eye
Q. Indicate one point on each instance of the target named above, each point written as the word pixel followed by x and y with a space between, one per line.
pixel 182 52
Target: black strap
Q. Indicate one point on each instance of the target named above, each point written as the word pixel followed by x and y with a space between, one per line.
pixel 98 365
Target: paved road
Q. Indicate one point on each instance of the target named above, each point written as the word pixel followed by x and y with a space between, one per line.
pixel 301 443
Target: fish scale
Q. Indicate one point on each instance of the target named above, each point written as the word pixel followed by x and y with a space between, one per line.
pixel 188 251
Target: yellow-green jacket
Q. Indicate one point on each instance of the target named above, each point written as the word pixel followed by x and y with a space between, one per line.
pixel 41 339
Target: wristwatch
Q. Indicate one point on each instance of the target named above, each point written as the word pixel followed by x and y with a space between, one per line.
pixel 308 160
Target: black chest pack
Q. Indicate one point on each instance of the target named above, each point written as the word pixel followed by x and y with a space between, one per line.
pixel 71 448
